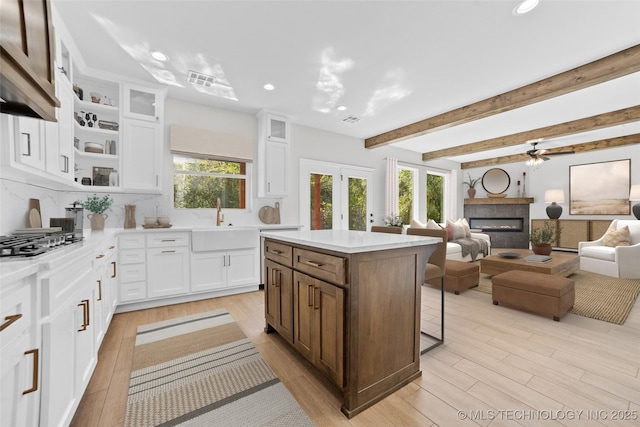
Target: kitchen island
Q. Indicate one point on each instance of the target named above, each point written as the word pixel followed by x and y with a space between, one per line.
pixel 349 302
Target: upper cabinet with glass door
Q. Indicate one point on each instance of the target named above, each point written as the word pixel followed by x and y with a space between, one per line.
pixel 277 128
pixel 142 103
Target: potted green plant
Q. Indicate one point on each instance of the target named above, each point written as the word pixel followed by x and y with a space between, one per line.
pixel 97 205
pixel 472 185
pixel 542 238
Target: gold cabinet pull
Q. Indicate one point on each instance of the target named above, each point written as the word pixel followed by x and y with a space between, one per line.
pixel 314 263
pixel 310 295
pixel 316 299
pixel 85 314
pixel 113 263
pixel 111 247
pixel 99 290
pixel 100 256
pixel 36 364
pixel 275 251
pixel 9 320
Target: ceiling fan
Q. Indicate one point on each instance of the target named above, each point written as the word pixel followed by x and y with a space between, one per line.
pixel 537 156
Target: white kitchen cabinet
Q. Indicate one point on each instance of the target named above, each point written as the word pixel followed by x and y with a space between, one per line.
pixel 167 264
pixel 69 355
pixel 142 155
pixel 224 269
pixel 132 277
pixel 28 141
pixel 208 271
pixel 277 128
pixel 143 103
pixel 273 155
pixel 167 271
pixel 59 158
pixel 106 289
pixel 19 354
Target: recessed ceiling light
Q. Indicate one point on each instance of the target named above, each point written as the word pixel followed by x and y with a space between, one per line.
pixel 269 86
pixel 525 7
pixel 341 108
pixel 159 56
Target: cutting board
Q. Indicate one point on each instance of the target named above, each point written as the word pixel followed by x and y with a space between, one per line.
pixel 34 219
pixel 267 214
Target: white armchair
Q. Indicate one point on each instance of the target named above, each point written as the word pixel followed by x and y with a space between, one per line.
pixel 619 261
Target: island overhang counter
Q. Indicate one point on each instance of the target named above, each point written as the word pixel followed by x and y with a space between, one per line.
pixel 349 302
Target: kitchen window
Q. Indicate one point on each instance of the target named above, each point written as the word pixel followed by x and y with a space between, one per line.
pixel 199 181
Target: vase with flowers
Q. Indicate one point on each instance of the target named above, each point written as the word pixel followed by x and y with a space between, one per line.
pixel 472 186
pixel 97 205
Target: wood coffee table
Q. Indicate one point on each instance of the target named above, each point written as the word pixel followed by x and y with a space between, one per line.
pixel 561 264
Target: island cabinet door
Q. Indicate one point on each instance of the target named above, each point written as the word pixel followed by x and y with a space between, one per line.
pixel 319 325
pixel 303 290
pixel 328 304
pixel 279 299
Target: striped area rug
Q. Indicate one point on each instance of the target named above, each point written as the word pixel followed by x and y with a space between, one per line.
pixel 201 370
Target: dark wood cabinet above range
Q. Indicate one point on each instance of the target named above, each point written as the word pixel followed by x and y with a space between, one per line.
pixel 27 59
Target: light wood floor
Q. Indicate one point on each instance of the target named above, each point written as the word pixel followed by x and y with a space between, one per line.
pixel 497 365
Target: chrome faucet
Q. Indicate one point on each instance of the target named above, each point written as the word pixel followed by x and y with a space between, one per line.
pixel 219 215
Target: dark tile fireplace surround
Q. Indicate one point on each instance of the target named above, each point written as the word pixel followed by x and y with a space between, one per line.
pixel 506 223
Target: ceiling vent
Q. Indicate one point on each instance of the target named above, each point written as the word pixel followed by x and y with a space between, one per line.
pixel 200 79
pixel 351 119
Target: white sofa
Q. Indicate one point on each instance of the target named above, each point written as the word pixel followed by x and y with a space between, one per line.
pixel 454 250
pixel 619 261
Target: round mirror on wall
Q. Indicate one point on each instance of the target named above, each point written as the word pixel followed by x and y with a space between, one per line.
pixel 495 181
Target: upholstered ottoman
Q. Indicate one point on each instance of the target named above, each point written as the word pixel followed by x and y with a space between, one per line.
pixel 458 276
pixel 538 293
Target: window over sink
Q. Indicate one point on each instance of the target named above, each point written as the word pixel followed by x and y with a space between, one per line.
pixel 199 181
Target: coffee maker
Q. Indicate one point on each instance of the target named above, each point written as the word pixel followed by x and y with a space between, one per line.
pixel 77 214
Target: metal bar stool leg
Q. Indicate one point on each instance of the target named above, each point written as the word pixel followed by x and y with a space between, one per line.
pixel 440 340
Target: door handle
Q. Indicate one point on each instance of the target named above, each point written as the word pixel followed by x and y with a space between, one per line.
pixel 9 320
pixel 34 382
pixel 113 263
pixel 99 290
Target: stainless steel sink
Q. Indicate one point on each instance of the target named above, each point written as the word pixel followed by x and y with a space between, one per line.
pixel 205 239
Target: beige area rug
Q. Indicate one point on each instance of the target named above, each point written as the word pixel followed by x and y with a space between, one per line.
pixel 201 370
pixel 597 296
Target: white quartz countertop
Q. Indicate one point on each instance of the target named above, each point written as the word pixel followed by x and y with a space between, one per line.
pixel 350 241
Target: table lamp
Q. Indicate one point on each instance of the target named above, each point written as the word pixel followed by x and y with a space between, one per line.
pixel 554 210
pixel 634 195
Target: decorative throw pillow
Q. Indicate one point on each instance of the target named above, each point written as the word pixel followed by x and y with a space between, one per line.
pixel 457 229
pixel 449 232
pixel 417 224
pixel 465 224
pixel 432 225
pixel 619 237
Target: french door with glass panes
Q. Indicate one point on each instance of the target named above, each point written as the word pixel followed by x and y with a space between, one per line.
pixel 334 196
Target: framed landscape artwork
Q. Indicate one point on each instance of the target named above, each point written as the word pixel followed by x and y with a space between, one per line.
pixel 600 188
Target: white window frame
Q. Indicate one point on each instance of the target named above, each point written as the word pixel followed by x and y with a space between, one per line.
pixel 247 177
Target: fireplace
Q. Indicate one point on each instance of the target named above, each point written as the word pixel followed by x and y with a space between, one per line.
pixel 505 220
pixel 497 224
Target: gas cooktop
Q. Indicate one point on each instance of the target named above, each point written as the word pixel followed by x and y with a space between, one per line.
pixel 29 245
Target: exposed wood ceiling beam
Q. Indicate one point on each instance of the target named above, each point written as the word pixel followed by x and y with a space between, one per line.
pixel 578 148
pixel 608 68
pixel 619 117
